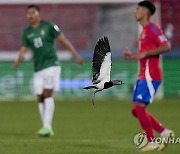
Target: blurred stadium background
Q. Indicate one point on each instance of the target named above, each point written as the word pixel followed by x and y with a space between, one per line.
pixel 84 22
pixel 80 128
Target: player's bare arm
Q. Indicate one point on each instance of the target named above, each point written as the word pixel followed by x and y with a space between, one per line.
pixel 20 57
pixel 128 54
pixel 159 50
pixel 63 40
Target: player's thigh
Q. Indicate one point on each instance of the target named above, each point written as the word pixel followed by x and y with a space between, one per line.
pixel 57 76
pixel 141 92
pixel 156 84
pixel 47 93
pixel 38 83
pixel 145 90
pixel 52 77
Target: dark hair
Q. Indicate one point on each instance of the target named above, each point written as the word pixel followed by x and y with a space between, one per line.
pixel 33 6
pixel 148 5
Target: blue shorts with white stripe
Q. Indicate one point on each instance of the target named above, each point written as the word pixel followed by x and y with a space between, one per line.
pixel 145 90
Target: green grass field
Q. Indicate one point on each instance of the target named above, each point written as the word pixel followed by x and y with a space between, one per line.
pixel 80 128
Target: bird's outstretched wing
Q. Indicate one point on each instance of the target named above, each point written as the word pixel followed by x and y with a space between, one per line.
pixel 101 61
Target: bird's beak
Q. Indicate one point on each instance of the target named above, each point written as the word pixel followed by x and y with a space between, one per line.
pixel 118 82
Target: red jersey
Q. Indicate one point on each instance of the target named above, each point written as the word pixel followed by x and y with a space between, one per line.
pixel 151 37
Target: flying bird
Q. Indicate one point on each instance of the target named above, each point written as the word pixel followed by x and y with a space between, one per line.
pixel 101 68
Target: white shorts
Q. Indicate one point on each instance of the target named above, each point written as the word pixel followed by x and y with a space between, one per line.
pixel 47 78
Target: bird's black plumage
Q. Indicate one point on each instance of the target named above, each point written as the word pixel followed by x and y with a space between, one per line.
pixel 101 68
pixel 101 49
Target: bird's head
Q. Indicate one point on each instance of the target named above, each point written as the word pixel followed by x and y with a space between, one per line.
pixel 117 82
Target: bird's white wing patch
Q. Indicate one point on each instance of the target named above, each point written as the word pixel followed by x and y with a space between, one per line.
pixel 105 68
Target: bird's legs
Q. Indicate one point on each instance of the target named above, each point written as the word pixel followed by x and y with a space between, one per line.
pixel 93 98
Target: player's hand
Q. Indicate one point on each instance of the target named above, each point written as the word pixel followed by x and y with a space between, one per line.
pixel 128 54
pixel 139 56
pixel 15 65
pixel 79 59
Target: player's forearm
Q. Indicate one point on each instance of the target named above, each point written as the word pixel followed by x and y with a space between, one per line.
pixel 128 54
pixel 20 58
pixel 70 48
pixel 65 42
pixel 21 55
pixel 158 50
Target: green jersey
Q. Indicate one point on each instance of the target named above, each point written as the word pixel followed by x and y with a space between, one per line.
pixel 41 41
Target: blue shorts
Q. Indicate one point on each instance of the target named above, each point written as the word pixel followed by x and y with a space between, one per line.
pixel 144 91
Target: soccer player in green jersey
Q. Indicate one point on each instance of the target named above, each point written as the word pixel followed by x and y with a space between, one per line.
pixel 40 36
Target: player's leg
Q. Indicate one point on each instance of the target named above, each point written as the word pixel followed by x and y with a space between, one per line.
pixel 157 126
pixel 41 107
pixel 141 98
pixel 144 93
pixel 164 132
pixel 139 111
pixel 51 80
pixel 49 108
pixel 155 123
pixel 48 111
pixel 38 90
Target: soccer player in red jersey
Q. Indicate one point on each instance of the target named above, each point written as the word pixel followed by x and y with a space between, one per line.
pixel 152 43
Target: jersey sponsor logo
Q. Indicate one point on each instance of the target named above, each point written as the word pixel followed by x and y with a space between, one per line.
pixel 30 35
pixel 162 38
pixel 42 32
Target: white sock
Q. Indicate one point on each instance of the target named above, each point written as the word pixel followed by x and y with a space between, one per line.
pixel 41 111
pixel 165 132
pixel 48 112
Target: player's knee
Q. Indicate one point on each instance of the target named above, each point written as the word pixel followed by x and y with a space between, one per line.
pixel 40 98
pixel 133 111
pixel 138 110
pixel 47 94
